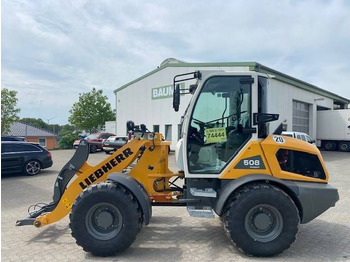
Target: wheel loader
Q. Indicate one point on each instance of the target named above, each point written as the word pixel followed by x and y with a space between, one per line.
pixel 261 185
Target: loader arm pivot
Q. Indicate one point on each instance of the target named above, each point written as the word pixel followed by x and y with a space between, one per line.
pixel 86 175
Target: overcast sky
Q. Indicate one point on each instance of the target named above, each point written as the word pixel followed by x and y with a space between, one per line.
pixel 54 50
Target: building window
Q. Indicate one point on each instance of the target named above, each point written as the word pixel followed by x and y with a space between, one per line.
pixel 156 128
pixel 42 142
pixel 301 117
pixel 168 132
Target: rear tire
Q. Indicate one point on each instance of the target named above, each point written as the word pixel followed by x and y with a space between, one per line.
pixel 261 220
pixel 105 219
pixel 344 146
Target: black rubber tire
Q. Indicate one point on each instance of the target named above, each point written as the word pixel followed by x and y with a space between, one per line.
pixel 93 148
pixel 273 207
pixel 86 210
pixel 344 146
pixel 32 167
pixel 330 146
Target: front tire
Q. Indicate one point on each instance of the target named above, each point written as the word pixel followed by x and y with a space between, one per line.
pixel 261 220
pixel 105 219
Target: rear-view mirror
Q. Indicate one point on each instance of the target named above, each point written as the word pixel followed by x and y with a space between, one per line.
pixel 176 97
pixel 261 118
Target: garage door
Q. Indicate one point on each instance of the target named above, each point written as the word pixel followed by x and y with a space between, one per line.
pixel 301 117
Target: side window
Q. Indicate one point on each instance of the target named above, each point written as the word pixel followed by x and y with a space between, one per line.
pixel 105 136
pixel 30 148
pixel 16 148
pixel 303 138
pixel 299 137
pixel 5 148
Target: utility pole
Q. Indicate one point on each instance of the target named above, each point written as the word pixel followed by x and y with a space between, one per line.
pixel 48 122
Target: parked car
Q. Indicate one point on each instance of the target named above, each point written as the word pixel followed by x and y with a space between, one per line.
pixel 113 143
pixel 24 157
pixel 94 140
pixel 299 135
pixel 12 138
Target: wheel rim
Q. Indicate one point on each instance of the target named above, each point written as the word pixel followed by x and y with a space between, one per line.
pixel 103 221
pixel 32 167
pixel 344 147
pixel 93 149
pixel 329 146
pixel 264 223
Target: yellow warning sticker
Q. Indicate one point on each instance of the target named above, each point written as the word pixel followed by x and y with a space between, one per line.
pixel 215 135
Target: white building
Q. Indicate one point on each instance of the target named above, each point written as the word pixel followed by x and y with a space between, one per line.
pixel 148 99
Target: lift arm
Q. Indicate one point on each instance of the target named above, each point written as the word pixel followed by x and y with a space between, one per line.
pixel 87 175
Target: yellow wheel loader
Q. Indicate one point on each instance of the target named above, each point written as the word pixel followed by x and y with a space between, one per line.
pixel 261 185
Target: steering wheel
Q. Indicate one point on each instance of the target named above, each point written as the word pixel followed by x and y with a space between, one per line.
pixel 198 122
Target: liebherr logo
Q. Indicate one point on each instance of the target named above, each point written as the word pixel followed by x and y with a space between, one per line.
pixel 105 168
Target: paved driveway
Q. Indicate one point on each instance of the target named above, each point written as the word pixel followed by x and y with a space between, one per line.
pixel 172 234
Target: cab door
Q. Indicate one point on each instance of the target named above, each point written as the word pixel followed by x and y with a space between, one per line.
pixel 217 126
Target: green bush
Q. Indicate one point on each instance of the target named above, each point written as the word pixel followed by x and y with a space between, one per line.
pixel 67 139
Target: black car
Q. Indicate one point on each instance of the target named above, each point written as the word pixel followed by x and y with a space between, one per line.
pixel 24 157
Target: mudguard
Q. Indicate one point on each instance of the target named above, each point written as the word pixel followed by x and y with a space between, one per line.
pixel 137 190
pixel 235 184
pixel 312 199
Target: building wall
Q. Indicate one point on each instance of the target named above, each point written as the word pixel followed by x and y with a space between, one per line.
pixel 280 100
pixel 51 142
pixel 135 102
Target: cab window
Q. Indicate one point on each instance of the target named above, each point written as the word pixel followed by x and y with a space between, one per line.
pixel 222 111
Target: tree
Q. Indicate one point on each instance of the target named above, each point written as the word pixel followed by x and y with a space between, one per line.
pixel 38 122
pixel 8 109
pixel 91 111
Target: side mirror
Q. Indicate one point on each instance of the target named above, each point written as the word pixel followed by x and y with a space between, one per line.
pixel 130 125
pixel 261 118
pixel 176 97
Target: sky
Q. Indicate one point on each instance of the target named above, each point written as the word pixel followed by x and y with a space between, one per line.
pixel 52 51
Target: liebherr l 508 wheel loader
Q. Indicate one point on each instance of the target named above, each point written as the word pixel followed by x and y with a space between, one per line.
pixel 261 185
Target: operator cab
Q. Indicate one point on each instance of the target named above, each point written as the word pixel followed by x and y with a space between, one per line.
pixel 220 121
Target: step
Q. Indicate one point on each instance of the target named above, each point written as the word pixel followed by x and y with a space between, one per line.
pixel 206 212
pixel 207 192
